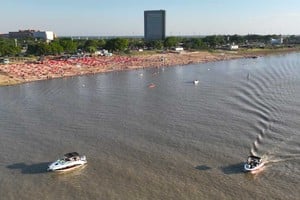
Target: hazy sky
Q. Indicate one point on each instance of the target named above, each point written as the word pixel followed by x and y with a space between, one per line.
pixel 126 17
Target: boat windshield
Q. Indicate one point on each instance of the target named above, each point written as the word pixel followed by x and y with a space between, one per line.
pixel 75 158
pixel 72 154
pixel 253 160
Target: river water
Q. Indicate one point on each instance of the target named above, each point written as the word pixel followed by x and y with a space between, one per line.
pixel 174 141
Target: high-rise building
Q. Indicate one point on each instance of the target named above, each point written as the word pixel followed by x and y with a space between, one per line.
pixel 154 24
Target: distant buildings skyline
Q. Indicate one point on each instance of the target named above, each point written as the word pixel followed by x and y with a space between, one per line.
pixel 125 18
pixel 30 33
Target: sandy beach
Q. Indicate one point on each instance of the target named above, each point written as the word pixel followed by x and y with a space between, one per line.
pixel 25 71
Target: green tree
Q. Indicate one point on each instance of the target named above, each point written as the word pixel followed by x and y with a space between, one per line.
pixel 32 49
pixel 197 43
pixel 101 44
pixel 170 42
pixel 91 49
pixel 136 43
pixel 90 46
pixel 237 39
pixel 117 44
pixel 56 48
pixel 8 47
pixel 43 49
pixel 68 45
pixel 158 44
pixel 214 40
pixel 39 49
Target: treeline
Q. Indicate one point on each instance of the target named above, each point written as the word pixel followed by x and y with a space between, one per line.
pixel 13 47
pixel 8 47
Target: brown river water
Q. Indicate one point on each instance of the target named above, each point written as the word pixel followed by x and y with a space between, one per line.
pixel 174 141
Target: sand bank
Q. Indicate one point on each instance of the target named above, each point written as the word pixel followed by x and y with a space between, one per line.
pixel 21 72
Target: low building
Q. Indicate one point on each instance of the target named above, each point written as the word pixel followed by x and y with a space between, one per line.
pixel 45 35
pixel 233 47
pixel 278 41
pixel 4 60
pixel 21 34
pixel 4 35
pixel 177 50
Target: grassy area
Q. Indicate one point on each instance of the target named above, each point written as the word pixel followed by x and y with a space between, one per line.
pixel 143 53
pixel 258 51
pixel 268 50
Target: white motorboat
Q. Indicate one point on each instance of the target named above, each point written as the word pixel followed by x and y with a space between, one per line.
pixel 196 82
pixel 253 164
pixel 70 161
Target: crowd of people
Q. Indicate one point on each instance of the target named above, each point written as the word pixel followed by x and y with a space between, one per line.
pixel 55 68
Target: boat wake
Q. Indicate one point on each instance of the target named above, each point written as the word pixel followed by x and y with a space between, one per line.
pixel 268 96
pixel 281 158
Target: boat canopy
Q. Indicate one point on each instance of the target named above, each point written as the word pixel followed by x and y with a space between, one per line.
pixel 254 158
pixel 71 155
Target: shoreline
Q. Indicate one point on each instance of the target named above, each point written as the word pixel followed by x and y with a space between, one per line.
pixel 25 71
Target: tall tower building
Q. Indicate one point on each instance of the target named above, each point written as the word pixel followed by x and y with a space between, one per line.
pixel 154 24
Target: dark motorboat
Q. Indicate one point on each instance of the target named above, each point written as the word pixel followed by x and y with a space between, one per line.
pixel 253 163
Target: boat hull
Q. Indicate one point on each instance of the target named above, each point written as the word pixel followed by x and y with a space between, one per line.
pixel 248 168
pixel 62 165
pixel 67 169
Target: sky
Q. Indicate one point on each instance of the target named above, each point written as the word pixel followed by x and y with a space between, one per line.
pixel 126 17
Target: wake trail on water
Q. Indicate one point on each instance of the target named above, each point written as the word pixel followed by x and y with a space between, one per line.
pixel 264 96
pixel 282 158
